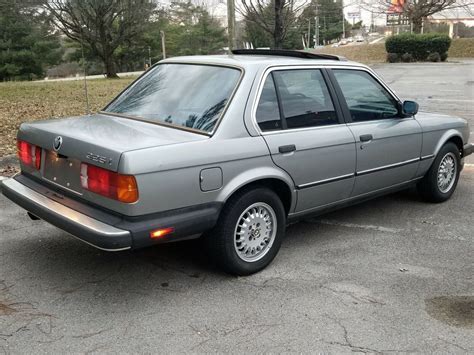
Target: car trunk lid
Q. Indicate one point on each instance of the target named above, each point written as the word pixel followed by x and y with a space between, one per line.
pixel 95 139
pixel 101 139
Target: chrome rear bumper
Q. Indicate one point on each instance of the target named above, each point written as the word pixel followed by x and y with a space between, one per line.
pixel 92 231
pixel 468 149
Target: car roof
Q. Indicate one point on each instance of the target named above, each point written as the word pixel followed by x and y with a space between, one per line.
pixel 252 60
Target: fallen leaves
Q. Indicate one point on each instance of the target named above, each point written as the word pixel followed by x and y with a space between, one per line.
pixel 9 170
pixel 30 101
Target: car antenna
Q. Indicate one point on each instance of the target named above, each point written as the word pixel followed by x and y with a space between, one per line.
pixel 86 93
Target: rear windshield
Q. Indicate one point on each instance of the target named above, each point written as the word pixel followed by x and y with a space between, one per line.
pixel 186 95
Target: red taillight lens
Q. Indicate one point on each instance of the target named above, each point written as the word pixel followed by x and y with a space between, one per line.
pixel 29 154
pixel 109 184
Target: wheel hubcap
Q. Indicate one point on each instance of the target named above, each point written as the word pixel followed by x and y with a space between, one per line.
pixel 447 172
pixel 255 232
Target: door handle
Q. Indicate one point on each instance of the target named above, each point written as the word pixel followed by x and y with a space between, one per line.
pixel 366 137
pixel 287 148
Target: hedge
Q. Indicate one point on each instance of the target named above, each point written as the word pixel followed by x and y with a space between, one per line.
pixel 420 46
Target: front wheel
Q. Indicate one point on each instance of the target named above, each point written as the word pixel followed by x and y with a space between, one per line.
pixel 249 232
pixel 442 178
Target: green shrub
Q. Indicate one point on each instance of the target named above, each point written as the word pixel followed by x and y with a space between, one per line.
pixel 444 56
pixel 418 45
pixel 393 57
pixel 407 58
pixel 434 57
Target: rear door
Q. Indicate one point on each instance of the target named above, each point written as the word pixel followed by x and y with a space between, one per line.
pixel 388 144
pixel 302 124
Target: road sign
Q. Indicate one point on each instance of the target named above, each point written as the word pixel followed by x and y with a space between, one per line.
pixel 397 19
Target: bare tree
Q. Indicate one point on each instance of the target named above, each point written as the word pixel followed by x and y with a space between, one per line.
pixel 102 25
pixel 273 16
pixel 415 10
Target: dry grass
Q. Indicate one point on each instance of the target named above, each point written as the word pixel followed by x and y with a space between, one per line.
pixel 375 53
pixel 462 48
pixel 30 101
pixel 364 53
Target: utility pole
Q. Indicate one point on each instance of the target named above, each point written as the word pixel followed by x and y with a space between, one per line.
pixel 163 45
pixel 343 24
pixel 309 33
pixel 316 31
pixel 343 19
pixel 372 21
pixel 231 23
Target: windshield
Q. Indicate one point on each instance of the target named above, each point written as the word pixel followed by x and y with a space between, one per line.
pixel 186 95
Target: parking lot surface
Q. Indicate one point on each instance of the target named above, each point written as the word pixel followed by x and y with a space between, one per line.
pixel 390 275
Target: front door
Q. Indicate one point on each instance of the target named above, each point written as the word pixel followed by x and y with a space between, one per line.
pixel 306 136
pixel 388 145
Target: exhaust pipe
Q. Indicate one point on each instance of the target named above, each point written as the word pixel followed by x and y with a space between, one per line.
pixel 32 216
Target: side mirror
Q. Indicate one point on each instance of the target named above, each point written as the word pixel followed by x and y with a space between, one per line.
pixel 410 108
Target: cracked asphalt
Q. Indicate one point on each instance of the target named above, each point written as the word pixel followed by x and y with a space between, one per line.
pixel 390 275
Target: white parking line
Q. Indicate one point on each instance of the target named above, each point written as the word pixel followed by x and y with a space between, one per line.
pixel 361 226
pixel 3 178
pixel 445 100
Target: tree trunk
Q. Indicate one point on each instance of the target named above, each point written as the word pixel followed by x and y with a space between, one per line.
pixel 110 70
pixel 417 24
pixel 108 59
pixel 278 32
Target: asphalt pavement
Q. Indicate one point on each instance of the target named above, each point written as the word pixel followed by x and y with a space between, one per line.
pixel 390 275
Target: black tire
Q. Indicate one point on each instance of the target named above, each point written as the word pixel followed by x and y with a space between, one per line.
pixel 220 242
pixel 428 186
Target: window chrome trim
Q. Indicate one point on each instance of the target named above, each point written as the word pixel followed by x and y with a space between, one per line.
pixel 386 167
pixel 381 120
pixel 263 78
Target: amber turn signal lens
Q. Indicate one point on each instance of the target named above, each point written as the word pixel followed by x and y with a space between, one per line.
pixel 158 233
pixel 127 190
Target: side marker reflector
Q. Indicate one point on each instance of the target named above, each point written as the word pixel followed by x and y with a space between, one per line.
pixel 159 233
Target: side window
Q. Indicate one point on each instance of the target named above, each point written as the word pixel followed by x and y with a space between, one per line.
pixel 268 114
pixel 366 97
pixel 305 98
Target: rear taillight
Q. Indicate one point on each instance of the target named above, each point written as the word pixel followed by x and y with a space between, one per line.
pixel 107 183
pixel 29 154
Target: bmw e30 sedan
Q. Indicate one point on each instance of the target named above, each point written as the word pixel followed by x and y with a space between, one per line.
pixel 232 148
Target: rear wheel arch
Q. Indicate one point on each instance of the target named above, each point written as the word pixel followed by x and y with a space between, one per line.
pixel 280 187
